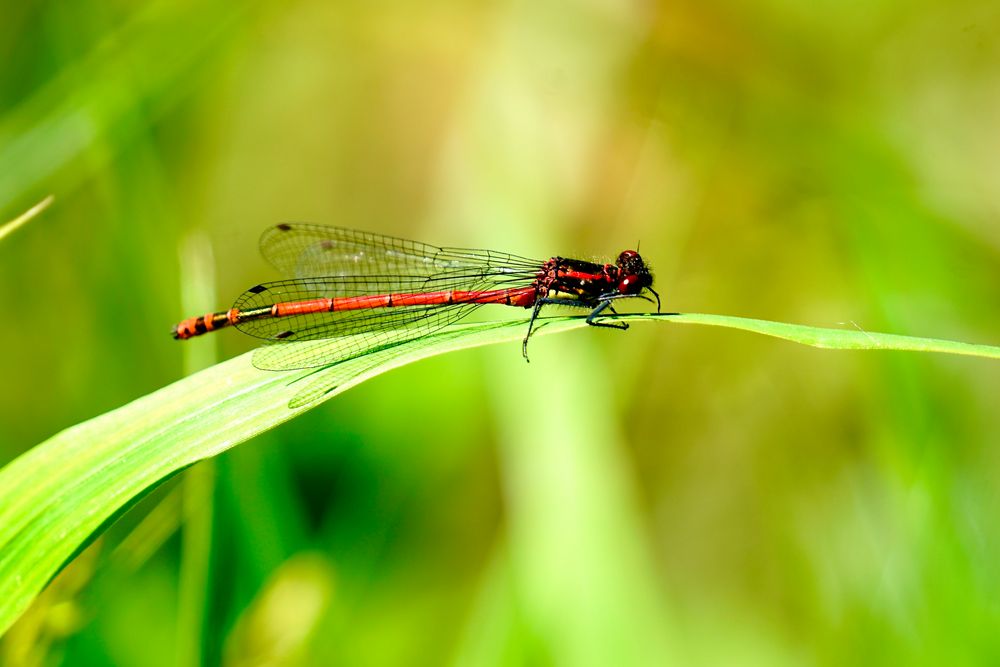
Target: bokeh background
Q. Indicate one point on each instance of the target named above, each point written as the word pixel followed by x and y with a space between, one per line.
pixel 673 495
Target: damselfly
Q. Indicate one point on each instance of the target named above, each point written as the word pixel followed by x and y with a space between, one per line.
pixel 374 291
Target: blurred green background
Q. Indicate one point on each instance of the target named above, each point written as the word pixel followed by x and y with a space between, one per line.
pixel 667 496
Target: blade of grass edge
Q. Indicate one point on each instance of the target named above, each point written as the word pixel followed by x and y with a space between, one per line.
pixel 53 497
pixel 10 227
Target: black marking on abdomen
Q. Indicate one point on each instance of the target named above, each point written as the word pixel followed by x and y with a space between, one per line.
pixel 253 313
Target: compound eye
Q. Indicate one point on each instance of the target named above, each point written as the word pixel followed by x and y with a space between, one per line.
pixel 627 255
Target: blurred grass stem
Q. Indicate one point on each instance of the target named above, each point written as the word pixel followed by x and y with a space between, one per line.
pixel 198 484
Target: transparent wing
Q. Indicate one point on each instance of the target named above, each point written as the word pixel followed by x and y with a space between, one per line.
pixel 394 328
pixel 332 262
pixel 302 250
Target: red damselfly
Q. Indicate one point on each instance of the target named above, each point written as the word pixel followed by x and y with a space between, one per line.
pixel 376 291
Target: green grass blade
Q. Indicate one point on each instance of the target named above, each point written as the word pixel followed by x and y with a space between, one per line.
pixel 55 496
pixel 835 339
